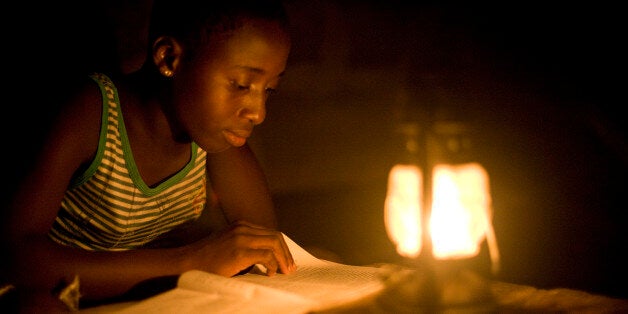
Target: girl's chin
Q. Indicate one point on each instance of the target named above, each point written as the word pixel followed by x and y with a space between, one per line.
pixel 214 145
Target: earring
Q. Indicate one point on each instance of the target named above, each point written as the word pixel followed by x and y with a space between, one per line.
pixel 167 73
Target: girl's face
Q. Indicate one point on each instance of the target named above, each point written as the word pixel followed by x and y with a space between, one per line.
pixel 220 94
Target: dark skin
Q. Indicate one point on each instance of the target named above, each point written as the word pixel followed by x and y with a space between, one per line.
pixel 214 99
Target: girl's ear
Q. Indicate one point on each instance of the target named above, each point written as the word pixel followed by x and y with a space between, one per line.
pixel 166 55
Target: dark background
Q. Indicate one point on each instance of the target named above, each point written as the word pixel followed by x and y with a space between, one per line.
pixel 542 84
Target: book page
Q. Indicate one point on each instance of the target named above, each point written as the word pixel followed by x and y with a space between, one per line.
pixel 300 255
pixel 201 292
pixel 327 283
pixel 316 285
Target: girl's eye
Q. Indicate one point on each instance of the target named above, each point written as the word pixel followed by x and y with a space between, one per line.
pixel 244 87
pixel 238 86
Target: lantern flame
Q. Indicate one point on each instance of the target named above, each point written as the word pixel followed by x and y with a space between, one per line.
pixel 460 210
pixel 402 209
pixel 460 219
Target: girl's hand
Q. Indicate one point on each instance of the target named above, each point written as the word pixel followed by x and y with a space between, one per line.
pixel 241 246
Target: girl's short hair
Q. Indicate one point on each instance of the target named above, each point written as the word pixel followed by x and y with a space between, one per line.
pixel 193 21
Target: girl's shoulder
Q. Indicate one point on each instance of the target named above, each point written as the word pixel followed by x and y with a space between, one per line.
pixel 77 122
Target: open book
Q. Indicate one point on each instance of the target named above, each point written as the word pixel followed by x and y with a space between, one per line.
pixel 316 285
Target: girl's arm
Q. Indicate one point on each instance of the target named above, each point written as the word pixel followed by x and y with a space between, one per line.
pixel 240 186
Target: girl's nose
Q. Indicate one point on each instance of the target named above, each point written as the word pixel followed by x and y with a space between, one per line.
pixel 255 109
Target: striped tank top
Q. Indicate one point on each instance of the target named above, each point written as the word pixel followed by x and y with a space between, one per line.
pixel 108 207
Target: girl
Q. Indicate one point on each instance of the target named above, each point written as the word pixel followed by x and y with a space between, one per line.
pixel 148 174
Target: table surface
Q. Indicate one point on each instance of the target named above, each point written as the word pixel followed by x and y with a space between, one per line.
pixel 464 292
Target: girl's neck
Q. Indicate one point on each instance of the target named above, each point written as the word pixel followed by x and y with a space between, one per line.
pixel 148 83
pixel 149 93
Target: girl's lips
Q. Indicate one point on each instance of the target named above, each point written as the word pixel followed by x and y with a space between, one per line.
pixel 234 139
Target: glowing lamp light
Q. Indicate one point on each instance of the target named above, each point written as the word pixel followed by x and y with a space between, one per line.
pixel 460 216
pixel 402 209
